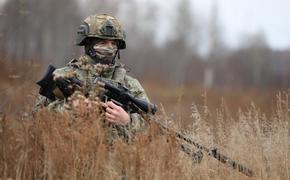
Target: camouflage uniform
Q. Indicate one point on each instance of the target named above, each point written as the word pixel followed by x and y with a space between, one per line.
pixel 86 69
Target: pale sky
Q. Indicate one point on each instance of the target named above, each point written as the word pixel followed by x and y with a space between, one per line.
pixel 1 2
pixel 240 17
pixel 249 16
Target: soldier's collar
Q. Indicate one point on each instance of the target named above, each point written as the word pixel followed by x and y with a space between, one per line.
pixel 106 73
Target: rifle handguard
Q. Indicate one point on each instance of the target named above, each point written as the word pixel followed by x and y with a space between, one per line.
pixel 126 98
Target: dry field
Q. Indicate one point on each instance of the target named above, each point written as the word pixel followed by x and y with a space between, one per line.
pixel 250 126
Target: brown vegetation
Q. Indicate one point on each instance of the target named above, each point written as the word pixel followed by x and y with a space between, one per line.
pixel 248 125
pixel 46 145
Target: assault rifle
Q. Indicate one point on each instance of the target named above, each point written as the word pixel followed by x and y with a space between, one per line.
pixel 118 94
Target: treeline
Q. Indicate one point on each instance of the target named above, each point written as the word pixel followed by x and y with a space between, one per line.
pixel 164 45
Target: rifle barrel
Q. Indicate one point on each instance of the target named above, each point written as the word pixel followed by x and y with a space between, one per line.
pixel 212 152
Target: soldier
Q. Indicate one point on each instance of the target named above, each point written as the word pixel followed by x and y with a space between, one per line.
pixel 102 37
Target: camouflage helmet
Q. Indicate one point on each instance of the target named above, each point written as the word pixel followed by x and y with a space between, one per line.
pixel 102 26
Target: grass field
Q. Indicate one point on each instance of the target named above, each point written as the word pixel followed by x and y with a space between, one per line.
pixel 250 126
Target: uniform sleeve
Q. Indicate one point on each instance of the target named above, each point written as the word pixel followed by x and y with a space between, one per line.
pixel 58 104
pixel 40 102
pixel 136 88
pixel 137 122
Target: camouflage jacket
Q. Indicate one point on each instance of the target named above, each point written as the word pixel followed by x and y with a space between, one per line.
pixel 87 70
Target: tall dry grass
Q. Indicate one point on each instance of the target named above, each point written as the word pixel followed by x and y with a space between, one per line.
pixel 47 145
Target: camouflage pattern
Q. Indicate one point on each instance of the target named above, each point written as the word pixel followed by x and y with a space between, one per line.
pixel 86 70
pixel 101 26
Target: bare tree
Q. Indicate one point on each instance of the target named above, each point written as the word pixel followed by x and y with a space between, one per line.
pixel 216 47
pixel 39 29
pixel 180 48
pixel 260 56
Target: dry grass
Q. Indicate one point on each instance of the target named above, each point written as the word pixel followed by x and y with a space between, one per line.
pixel 47 145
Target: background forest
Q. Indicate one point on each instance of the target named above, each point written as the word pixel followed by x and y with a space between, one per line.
pixel 182 48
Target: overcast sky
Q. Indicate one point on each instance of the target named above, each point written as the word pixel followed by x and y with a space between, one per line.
pixel 248 16
pixel 240 17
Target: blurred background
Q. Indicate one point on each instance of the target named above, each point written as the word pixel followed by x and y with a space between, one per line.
pixel 218 69
pixel 181 47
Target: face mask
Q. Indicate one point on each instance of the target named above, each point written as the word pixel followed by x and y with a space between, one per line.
pixel 103 52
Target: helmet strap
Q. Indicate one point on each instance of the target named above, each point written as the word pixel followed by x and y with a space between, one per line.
pixel 114 58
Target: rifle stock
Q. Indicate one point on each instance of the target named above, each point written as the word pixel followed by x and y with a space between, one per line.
pixel 47 84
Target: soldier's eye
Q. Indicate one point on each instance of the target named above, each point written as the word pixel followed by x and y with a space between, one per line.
pixel 100 44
